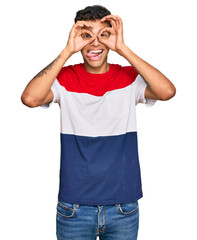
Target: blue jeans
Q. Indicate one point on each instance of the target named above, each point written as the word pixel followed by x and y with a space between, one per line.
pixel 109 222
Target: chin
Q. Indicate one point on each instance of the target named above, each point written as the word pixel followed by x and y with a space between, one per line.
pixel 95 64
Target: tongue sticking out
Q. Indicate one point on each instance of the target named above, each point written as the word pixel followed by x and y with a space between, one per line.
pixel 91 54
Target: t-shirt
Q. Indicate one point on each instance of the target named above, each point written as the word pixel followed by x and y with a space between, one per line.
pixel 99 150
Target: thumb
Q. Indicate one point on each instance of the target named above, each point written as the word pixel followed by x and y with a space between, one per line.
pixel 104 35
pixel 104 41
pixel 88 41
pixel 91 39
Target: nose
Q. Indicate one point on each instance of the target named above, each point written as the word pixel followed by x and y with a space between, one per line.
pixel 95 43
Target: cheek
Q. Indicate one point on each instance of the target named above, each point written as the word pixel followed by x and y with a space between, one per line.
pixel 107 50
pixel 83 52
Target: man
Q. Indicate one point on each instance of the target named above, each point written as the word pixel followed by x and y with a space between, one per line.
pixel 100 182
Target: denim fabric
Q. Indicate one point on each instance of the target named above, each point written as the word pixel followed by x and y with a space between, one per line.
pixel 86 222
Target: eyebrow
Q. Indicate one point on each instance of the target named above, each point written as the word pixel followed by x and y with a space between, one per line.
pixel 88 28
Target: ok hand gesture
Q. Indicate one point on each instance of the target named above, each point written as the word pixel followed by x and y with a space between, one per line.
pixel 114 35
pixel 76 41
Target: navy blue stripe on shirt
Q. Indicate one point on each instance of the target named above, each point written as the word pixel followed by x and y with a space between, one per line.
pixel 99 170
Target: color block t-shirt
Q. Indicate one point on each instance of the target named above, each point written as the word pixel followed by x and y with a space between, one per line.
pixel 99 148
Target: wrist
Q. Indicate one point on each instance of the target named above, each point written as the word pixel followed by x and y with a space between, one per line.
pixel 66 53
pixel 123 50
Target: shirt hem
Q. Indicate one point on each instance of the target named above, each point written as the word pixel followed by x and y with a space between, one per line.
pixel 109 202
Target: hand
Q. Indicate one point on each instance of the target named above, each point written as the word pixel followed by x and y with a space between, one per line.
pixel 112 36
pixel 77 37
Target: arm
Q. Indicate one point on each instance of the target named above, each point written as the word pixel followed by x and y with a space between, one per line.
pixel 38 91
pixel 158 86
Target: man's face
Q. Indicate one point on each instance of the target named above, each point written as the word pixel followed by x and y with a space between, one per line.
pixel 95 53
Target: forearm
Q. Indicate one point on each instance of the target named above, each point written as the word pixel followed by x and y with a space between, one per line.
pixel 38 88
pixel 158 83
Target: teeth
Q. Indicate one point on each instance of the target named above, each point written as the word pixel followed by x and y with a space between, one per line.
pixel 96 51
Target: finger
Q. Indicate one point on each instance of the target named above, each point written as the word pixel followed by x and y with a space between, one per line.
pixel 83 30
pixel 104 41
pixel 88 41
pixel 120 23
pixel 108 17
pixel 92 39
pixel 84 23
pixel 105 29
pixel 119 20
pixel 104 35
pixel 114 24
pixel 86 34
pixel 113 20
pixel 78 26
pixel 119 17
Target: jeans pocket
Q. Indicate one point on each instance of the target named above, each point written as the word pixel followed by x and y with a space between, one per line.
pixel 128 208
pixel 65 210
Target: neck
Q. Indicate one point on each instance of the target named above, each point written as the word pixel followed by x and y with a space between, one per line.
pixel 97 70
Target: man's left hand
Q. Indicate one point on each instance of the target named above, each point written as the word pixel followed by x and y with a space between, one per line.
pixel 112 37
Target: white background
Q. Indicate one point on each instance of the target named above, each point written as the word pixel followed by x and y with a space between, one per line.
pixel 163 33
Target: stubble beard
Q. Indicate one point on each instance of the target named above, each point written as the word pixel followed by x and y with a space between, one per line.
pixel 96 64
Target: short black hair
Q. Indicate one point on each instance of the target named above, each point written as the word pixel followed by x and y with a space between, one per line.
pixel 92 13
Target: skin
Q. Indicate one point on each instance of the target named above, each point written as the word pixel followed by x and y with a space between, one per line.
pixel 94 35
pixel 100 66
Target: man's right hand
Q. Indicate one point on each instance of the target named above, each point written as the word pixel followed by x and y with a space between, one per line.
pixel 77 38
pixel 38 91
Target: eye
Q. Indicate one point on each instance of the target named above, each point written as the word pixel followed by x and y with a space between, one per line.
pixel 105 34
pixel 86 36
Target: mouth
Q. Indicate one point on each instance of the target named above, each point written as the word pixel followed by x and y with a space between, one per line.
pixel 94 55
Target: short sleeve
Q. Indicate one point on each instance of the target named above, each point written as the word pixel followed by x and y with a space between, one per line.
pixel 140 92
pixel 56 94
